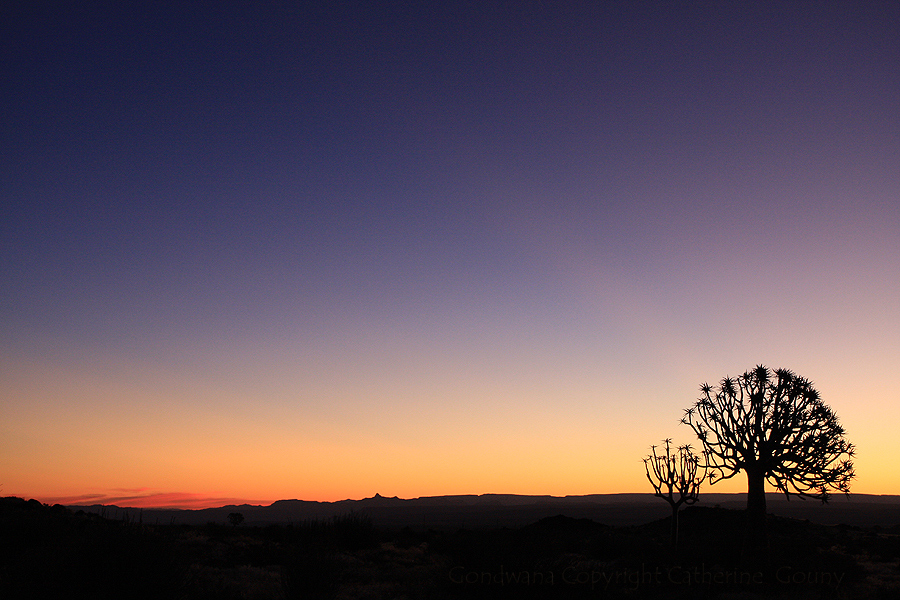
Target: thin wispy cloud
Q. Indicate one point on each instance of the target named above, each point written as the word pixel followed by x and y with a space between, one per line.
pixel 180 500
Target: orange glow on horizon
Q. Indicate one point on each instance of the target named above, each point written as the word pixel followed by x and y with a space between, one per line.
pixel 148 498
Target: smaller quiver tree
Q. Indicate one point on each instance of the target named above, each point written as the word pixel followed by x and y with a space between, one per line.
pixel 676 478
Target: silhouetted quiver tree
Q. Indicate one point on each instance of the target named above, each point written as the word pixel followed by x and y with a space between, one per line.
pixel 676 478
pixel 773 426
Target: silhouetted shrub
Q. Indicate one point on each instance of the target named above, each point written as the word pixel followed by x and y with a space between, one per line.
pixel 307 574
pixel 50 552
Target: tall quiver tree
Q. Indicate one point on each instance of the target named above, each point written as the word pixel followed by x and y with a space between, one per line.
pixel 676 478
pixel 773 426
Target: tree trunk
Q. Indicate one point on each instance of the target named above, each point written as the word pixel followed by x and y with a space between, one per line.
pixel 675 527
pixel 756 494
pixel 757 537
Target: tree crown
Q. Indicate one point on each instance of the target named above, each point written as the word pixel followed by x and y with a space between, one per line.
pixel 773 423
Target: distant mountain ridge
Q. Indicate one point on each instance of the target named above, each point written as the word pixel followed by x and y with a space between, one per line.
pixel 511 510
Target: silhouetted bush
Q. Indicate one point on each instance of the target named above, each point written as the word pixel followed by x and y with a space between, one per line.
pixel 310 575
pixel 50 552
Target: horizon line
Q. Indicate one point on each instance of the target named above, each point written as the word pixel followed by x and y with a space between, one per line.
pixel 189 501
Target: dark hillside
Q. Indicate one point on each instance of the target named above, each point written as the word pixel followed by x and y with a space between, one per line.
pixel 507 510
pixel 55 552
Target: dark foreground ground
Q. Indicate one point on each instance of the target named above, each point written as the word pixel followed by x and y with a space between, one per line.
pixel 53 552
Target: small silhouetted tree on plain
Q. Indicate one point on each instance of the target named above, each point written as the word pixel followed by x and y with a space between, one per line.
pixel 235 518
pixel 676 478
pixel 773 426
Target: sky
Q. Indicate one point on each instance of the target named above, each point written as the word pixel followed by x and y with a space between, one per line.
pixel 264 250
